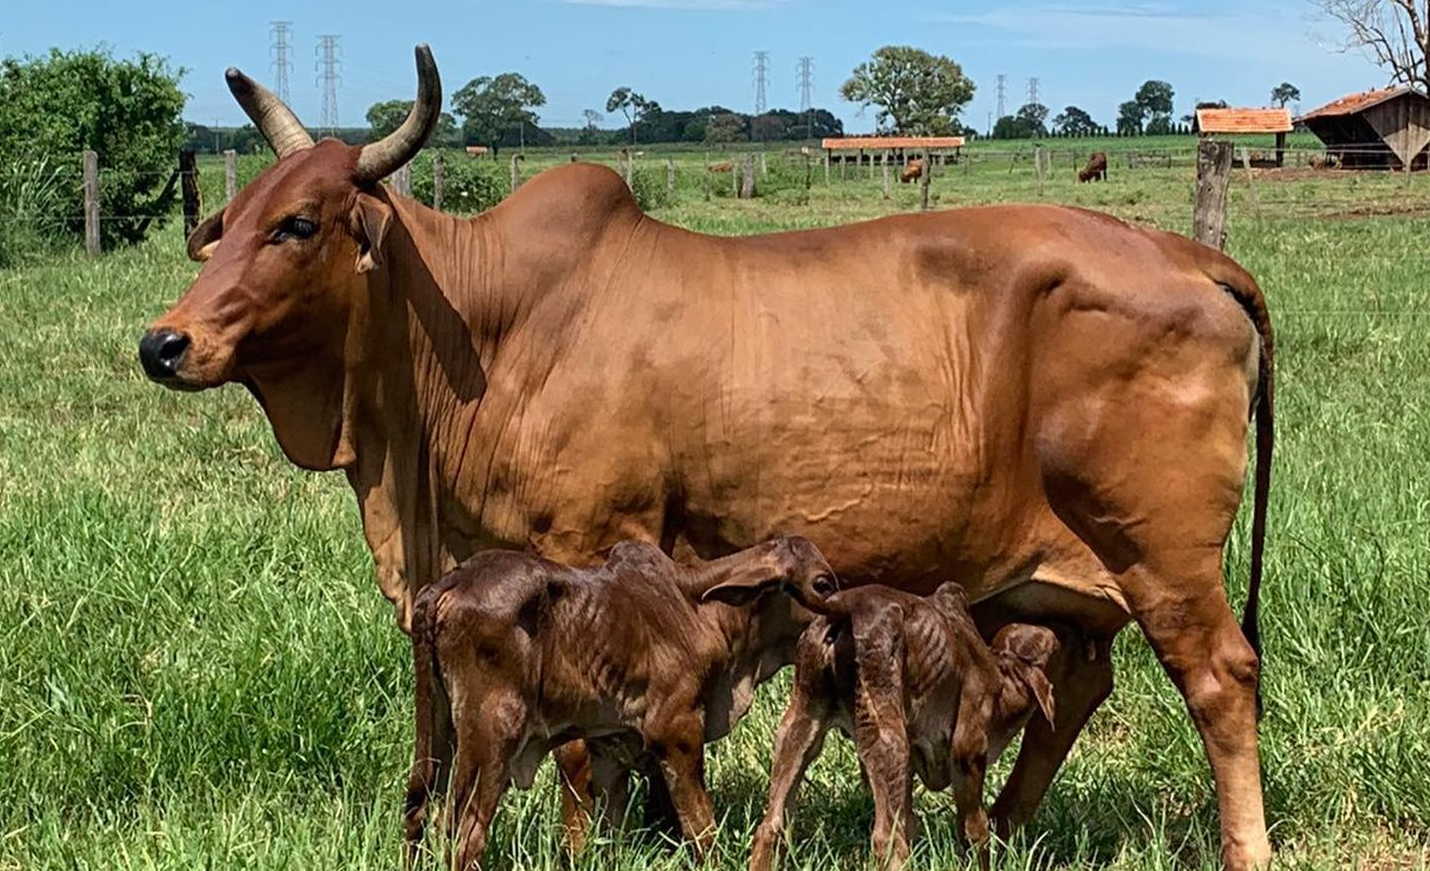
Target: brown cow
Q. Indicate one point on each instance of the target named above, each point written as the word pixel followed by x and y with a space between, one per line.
pixel 1096 169
pixel 912 170
pixel 515 655
pixel 915 686
pixel 1045 404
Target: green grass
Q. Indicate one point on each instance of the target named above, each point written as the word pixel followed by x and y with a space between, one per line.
pixel 197 670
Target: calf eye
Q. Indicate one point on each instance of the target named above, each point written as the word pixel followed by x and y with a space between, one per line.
pixel 295 228
pixel 824 585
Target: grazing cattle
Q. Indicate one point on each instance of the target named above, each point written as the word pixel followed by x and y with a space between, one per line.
pixel 515 655
pixel 913 683
pixel 727 166
pixel 912 170
pixel 1044 404
pixel 1096 169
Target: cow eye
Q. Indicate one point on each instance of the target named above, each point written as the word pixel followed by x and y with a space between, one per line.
pixel 295 228
pixel 824 585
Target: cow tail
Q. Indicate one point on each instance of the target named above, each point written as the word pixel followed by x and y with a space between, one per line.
pixel 434 715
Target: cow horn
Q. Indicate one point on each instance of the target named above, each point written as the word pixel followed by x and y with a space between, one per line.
pixel 284 132
pixel 379 159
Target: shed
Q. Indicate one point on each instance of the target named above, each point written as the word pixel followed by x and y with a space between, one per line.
pixel 878 145
pixel 1385 128
pixel 1234 122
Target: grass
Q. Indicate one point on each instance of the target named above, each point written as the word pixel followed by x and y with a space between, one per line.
pixel 197 670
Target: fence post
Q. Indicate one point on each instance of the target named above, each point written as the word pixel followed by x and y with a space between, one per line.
pixel 925 174
pixel 808 172
pixel 1213 175
pixel 886 174
pixel 516 173
pixel 705 177
pixel 735 178
pixel 670 177
pixel 91 203
pixel 402 180
pixel 1251 180
pixel 439 180
pixel 747 183
pixel 764 167
pixel 230 174
pixel 826 167
pixel 1038 168
pixel 189 184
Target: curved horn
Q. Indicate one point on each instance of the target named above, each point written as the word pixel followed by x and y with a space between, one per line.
pixel 378 159
pixel 284 132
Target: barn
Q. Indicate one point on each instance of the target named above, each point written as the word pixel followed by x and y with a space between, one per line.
pixel 1236 122
pixel 1386 128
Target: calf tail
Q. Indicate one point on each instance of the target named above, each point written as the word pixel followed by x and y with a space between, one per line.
pixel 434 717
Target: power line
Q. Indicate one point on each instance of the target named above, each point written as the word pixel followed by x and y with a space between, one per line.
pixel 806 92
pixel 329 67
pixel 279 33
pixel 762 79
pixel 1002 95
pixel 1033 90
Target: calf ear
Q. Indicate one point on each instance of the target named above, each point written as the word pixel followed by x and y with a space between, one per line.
pixel 205 238
pixel 744 585
pixel 370 218
pixel 1041 688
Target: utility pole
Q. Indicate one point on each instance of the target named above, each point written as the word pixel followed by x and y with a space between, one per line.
pixel 762 79
pixel 1002 95
pixel 1033 90
pixel 329 67
pixel 806 91
pixel 279 33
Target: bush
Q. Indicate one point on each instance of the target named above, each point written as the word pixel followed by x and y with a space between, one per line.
pixel 33 196
pixel 129 111
pixel 648 187
pixel 470 185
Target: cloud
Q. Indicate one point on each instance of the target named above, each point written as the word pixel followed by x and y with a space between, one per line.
pixel 1155 27
pixel 743 5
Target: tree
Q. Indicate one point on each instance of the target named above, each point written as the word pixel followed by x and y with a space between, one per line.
pixel 632 105
pixel 725 127
pixel 490 106
pixel 1075 122
pixel 1285 93
pixel 1034 116
pixel 1131 116
pixel 592 117
pixel 1393 33
pixel 917 93
pixel 388 115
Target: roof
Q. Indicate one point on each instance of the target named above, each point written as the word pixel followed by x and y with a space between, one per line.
pixel 1352 104
pixel 881 142
pixel 1244 120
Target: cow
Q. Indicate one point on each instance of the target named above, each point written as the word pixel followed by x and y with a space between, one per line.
pixel 912 682
pixel 912 170
pixel 1043 403
pixel 515 655
pixel 1096 169
pixel 726 166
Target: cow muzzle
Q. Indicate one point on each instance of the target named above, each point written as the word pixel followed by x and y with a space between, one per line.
pixel 162 352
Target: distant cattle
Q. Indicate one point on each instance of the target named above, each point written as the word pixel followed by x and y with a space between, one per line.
pixel 1323 161
pixel 1096 169
pixel 912 170
pixel 476 150
pixel 727 166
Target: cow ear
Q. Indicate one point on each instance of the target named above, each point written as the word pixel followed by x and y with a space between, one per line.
pixel 1041 688
pixel 742 589
pixel 369 224
pixel 205 238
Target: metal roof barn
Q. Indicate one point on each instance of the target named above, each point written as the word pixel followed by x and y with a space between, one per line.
pixel 1385 128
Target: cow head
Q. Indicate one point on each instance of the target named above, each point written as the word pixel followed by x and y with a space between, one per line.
pixel 284 264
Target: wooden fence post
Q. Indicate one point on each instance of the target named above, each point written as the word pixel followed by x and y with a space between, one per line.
pixel 516 173
pixel 402 180
pixel 1038 168
pixel 925 174
pixel 808 172
pixel 91 203
pixel 670 177
pixel 886 175
pixel 1213 175
pixel 1251 180
pixel 230 175
pixel 826 167
pixel 735 179
pixel 747 183
pixel 764 167
pixel 843 165
pixel 439 181
pixel 189 185
pixel 705 177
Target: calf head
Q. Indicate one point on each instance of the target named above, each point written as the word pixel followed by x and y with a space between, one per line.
pixel 790 563
pixel 284 264
pixel 1023 653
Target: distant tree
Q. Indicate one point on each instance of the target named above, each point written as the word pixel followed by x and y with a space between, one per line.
pixel 1285 93
pixel 491 106
pixel 388 115
pixel 1393 33
pixel 1131 116
pixel 1074 122
pixel 725 127
pixel 632 105
pixel 1035 117
pixel 1161 125
pixel 593 118
pixel 917 93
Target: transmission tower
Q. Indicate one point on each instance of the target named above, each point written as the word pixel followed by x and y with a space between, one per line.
pixel 762 79
pixel 1002 95
pixel 279 33
pixel 329 68
pixel 1033 90
pixel 806 90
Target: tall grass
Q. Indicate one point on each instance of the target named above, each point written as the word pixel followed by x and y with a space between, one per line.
pixel 33 198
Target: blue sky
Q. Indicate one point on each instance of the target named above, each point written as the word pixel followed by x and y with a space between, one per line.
pixel 688 53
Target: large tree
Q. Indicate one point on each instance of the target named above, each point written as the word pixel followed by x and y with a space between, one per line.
pixel 1394 33
pixel 917 93
pixel 388 115
pixel 1285 93
pixel 633 105
pixel 492 105
pixel 1131 116
pixel 1075 122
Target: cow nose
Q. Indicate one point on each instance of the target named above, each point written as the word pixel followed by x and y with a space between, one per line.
pixel 161 352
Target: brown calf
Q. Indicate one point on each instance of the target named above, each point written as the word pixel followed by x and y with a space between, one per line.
pixel 912 682
pixel 1096 169
pixel 643 658
pixel 912 170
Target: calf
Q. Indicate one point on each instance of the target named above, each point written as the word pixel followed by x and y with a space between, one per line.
pixel 912 681
pixel 643 658
pixel 1096 169
pixel 912 170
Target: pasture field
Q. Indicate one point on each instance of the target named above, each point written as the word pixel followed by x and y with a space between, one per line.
pixel 197 669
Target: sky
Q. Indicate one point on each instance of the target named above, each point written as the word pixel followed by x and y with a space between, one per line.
pixel 691 53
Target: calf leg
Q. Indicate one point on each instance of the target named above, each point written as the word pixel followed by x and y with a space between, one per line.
pixel 481 777
pixel 797 744
pixel 679 747
pixel 970 755
pixel 611 779
pixel 578 803
pixel 881 731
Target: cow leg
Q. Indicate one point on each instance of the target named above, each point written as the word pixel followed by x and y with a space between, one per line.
pixel 1202 649
pixel 679 747
pixel 1082 680
pixel 797 743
